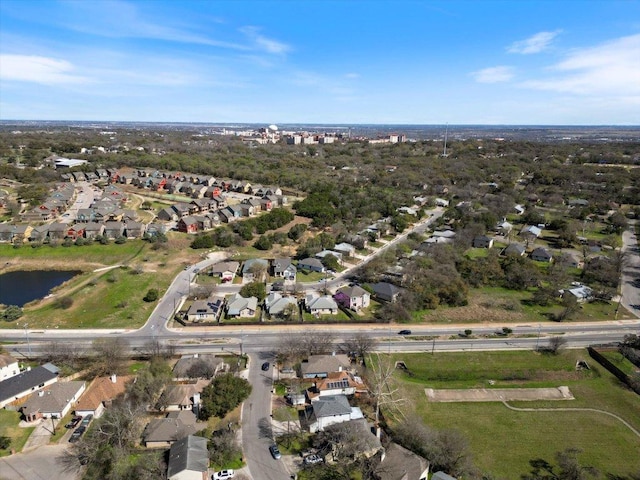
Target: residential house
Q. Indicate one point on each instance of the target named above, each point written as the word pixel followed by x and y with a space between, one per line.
pixel 346 249
pixel 504 228
pixel 182 370
pixel 324 253
pixel 134 229
pixel 582 293
pixel 8 366
pixel 187 225
pixel 441 202
pixel 208 310
pixel 100 393
pixel 398 463
pixel 332 409
pixel 15 233
pixel 482 241
pixel 514 249
pixel 254 270
pixel 113 230
pixel 93 230
pixel 247 209
pixel 276 305
pixel 324 305
pixel 336 383
pixel 385 291
pixel 182 209
pixel 167 214
pixel 283 268
pixel 75 231
pixel 164 432
pixel 54 401
pixel 541 254
pixel 189 459
pixel 322 366
pixel 183 396
pixel 266 204
pixel 39 233
pixel 226 271
pixel 29 381
pixel 238 306
pixel 311 264
pixel 353 298
pixel 530 232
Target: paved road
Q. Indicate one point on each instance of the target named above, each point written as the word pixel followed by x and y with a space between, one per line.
pixel 39 464
pixel 630 281
pixel 257 434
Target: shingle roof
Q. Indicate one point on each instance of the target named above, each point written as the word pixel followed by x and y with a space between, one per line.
pixel 102 389
pixel 53 399
pixel 6 360
pixel 175 426
pixel 188 453
pixel 401 464
pixel 331 405
pixel 25 381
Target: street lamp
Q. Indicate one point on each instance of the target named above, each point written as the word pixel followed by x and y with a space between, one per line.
pixel 26 333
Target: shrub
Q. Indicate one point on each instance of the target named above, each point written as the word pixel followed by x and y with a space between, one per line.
pixel 12 313
pixel 152 295
pixel 64 302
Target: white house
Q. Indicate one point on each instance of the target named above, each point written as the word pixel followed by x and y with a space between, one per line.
pixel 53 402
pixel 8 366
pixel 332 409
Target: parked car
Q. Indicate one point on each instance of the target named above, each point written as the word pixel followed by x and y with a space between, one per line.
pixel 404 332
pixel 265 366
pixel 86 420
pixel 74 422
pixel 312 459
pixel 275 452
pixel 77 433
pixel 223 475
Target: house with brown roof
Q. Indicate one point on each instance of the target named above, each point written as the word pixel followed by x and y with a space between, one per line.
pixel 336 383
pixel 100 394
pixel 178 397
pixel 163 432
pixel 323 365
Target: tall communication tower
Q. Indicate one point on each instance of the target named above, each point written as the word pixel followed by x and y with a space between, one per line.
pixel 446 132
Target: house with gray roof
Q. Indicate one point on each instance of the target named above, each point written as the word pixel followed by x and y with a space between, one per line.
pixel 541 254
pixel 27 382
pixel 275 304
pixel 322 365
pixel 226 271
pixel 182 396
pixel 324 305
pixel 254 270
pixel 164 432
pixel 385 291
pixel 238 306
pixel 311 264
pixel 398 463
pixel 332 409
pixel 188 459
pixel 442 476
pixel 54 401
pixel 353 297
pixel 208 310
pixel 283 268
pixel 181 368
pixel 514 249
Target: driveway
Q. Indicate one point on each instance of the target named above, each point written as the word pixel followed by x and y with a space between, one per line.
pixel 38 464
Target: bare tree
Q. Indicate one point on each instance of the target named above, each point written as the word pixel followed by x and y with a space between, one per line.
pixel 158 349
pixel 556 344
pixel 344 441
pixel 63 353
pixel 383 388
pixel 109 354
pixel 359 345
pixel 319 343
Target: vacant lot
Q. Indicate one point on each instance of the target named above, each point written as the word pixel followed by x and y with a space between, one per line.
pixel 503 441
pixel 104 298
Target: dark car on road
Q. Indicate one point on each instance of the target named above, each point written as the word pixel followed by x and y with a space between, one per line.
pixel 86 420
pixel 265 366
pixel 275 452
pixel 404 332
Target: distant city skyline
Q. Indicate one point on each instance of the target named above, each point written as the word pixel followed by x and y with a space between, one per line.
pixel 564 62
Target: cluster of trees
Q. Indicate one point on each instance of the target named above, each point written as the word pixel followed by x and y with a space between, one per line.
pixel 222 395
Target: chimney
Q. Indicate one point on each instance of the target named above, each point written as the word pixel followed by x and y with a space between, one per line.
pixel 41 393
pixel 114 378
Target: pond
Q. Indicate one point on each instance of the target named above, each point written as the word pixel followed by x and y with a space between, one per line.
pixel 20 287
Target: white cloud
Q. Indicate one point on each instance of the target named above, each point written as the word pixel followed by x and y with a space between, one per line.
pixel 37 69
pixel 352 75
pixel 611 68
pixel 534 44
pixel 263 43
pixel 497 74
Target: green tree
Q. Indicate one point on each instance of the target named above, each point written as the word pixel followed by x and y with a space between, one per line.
pixel 264 242
pixel 254 289
pixel 11 313
pixel 224 394
pixel 152 295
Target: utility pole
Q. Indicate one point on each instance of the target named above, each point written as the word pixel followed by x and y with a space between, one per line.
pixel 538 340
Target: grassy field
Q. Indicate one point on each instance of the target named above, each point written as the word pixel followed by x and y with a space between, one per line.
pixel 9 428
pixel 101 299
pixel 503 441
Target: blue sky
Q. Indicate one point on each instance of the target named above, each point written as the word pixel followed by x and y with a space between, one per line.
pixel 574 62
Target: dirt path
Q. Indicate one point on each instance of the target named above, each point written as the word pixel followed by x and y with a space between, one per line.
pixel 595 410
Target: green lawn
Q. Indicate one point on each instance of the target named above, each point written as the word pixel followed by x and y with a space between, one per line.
pixel 503 441
pixel 102 254
pixel 619 361
pixel 9 421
